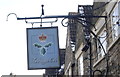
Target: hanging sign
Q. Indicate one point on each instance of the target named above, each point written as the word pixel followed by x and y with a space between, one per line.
pixel 43 48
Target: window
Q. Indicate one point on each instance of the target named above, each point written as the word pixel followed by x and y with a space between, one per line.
pixel 70 71
pixel 102 45
pixel 115 19
pixel 80 65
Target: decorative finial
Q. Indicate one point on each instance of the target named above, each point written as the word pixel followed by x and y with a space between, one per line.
pixel 42 9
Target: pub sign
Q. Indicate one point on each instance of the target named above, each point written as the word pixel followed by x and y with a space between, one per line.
pixel 43 48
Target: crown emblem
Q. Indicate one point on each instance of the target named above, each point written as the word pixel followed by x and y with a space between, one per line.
pixel 42 37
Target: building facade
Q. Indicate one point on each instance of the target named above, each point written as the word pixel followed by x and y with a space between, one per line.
pixel 70 45
pixel 107 51
pixel 93 43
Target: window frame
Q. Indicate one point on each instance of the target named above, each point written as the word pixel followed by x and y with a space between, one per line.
pixel 80 65
pixel 102 38
pixel 115 17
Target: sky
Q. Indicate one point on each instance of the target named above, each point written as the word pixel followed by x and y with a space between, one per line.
pixel 13 43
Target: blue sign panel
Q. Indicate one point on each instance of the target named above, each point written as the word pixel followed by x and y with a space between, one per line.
pixel 43 48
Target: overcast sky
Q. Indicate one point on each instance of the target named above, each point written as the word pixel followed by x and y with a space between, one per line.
pixel 13 47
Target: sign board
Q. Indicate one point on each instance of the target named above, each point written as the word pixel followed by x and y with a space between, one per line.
pixel 43 48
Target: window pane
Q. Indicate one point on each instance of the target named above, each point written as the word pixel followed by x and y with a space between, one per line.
pixel 115 18
pixel 80 65
pixel 103 41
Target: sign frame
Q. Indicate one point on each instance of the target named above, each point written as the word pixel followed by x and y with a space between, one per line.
pixel 42 61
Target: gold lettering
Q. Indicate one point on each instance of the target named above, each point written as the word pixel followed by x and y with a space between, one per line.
pixel 44 61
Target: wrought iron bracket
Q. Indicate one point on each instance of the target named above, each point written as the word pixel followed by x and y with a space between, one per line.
pixel 51 22
pixel 54 16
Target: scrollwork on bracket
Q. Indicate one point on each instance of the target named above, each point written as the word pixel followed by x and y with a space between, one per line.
pixel 11 14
